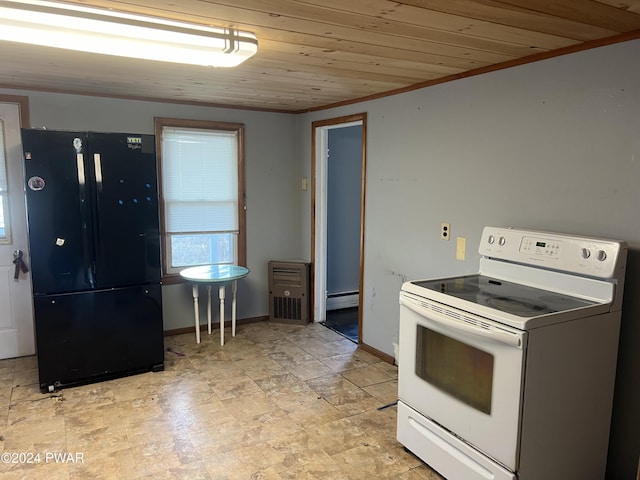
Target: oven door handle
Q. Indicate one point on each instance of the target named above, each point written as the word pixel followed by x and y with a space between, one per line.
pixel 466 324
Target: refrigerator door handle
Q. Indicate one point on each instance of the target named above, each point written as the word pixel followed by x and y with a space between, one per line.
pixel 80 163
pixel 88 263
pixel 98 165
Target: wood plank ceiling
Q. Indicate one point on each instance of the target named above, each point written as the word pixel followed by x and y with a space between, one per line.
pixel 318 53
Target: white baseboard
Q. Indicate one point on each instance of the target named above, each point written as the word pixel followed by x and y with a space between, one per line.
pixel 343 301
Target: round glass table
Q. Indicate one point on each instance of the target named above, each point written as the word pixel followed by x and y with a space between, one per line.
pixel 220 276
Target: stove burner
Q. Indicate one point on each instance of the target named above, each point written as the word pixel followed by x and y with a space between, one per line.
pixel 517 305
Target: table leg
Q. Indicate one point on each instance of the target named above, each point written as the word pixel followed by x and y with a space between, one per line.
pixel 234 287
pixel 196 312
pixel 221 296
pixel 209 309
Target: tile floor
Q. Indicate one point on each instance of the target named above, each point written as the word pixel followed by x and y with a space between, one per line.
pixel 276 402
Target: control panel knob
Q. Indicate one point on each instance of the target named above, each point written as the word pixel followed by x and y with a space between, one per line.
pixel 586 253
pixel 491 239
pixel 502 241
pixel 602 255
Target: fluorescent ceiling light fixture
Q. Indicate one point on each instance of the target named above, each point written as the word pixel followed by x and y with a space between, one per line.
pixel 94 30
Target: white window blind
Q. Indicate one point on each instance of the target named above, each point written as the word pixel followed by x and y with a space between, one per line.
pixel 3 166
pixel 200 180
pixel 4 207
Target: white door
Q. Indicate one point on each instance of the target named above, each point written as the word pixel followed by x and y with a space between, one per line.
pixel 16 309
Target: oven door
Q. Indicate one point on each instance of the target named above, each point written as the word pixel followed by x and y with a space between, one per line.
pixel 464 372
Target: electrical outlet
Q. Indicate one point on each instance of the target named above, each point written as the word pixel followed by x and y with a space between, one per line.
pixel 445 231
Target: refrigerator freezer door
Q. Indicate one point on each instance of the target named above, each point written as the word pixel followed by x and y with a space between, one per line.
pixel 58 213
pixel 90 336
pixel 128 234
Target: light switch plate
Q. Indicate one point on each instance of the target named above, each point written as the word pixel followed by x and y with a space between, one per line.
pixel 461 247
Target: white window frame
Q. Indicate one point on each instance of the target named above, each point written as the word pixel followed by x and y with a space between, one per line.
pixel 171 274
pixel 5 239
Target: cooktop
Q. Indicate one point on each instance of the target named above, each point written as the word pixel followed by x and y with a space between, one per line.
pixel 508 297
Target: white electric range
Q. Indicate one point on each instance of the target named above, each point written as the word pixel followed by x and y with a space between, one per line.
pixel 509 373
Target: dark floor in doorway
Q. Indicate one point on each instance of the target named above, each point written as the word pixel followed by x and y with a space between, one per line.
pixel 344 321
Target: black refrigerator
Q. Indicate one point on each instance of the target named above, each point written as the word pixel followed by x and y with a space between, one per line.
pixel 94 240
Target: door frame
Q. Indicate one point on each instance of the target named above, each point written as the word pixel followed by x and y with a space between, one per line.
pixel 23 112
pixel 319 155
pixel 23 104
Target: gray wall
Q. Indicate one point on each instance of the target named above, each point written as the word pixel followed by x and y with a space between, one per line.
pixel 272 181
pixel 553 145
pixel 344 175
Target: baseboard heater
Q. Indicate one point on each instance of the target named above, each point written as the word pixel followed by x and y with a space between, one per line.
pixel 338 301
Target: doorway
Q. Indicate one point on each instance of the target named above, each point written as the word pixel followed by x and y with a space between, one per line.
pixel 338 186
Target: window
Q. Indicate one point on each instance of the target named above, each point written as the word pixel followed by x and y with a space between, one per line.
pixel 201 173
pixel 463 371
pixel 5 236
